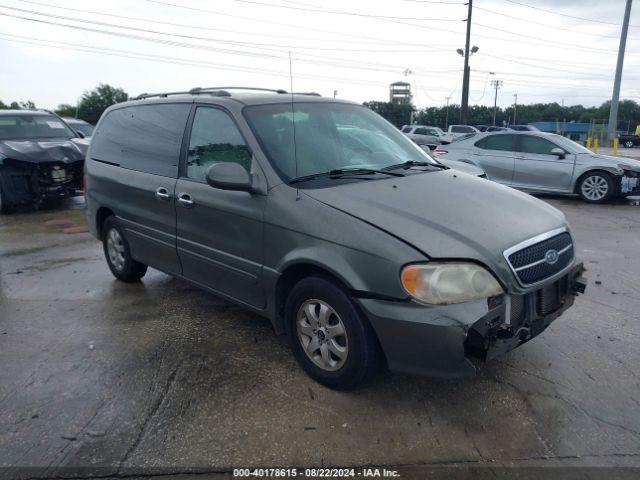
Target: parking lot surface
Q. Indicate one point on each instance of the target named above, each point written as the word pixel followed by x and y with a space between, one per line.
pixel 103 378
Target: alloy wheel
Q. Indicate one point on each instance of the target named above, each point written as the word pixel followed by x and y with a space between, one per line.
pixel 115 249
pixel 322 334
pixel 629 144
pixel 595 188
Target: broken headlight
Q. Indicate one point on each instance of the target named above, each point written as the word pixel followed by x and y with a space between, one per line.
pixel 444 283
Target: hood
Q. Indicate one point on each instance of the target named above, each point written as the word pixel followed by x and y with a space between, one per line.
pixel 462 166
pixel 628 163
pixel 448 214
pixel 39 151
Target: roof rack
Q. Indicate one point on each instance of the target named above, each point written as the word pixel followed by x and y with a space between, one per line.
pixel 217 91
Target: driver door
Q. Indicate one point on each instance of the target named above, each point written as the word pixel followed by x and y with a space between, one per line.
pixel 536 168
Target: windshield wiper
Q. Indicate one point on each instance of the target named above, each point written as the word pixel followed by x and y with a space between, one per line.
pixel 415 163
pixel 342 173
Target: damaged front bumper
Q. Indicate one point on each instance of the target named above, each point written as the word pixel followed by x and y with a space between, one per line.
pixel 451 341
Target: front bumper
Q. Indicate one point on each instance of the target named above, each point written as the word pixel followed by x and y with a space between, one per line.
pixel 452 341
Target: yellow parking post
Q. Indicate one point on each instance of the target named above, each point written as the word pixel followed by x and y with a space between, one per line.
pixel 589 143
pixel 615 146
pixel 595 145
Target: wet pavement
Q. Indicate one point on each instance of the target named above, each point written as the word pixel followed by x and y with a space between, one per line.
pixel 103 378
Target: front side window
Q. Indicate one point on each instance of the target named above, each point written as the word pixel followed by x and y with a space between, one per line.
pixel 25 126
pixel 497 142
pixel 214 138
pixel 328 136
pixel 536 145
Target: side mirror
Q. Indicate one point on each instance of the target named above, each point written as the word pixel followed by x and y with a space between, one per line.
pixel 558 152
pixel 80 134
pixel 229 176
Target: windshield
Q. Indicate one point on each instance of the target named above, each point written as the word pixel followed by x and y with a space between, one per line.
pixel 25 126
pixel 329 136
pixel 569 145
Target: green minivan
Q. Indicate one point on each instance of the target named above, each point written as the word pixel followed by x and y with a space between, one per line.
pixel 321 216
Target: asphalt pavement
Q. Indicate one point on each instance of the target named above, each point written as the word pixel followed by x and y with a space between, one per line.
pixel 101 378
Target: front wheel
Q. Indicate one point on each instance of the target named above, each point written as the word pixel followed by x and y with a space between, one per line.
pixel 596 187
pixel 628 144
pixel 5 207
pixel 118 254
pixel 330 338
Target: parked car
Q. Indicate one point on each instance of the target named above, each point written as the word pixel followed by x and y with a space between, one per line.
pixel 360 255
pixel 80 126
pixel 455 131
pixel 41 158
pixel 546 162
pixel 629 141
pixel 456 165
pixel 422 134
pixel 523 128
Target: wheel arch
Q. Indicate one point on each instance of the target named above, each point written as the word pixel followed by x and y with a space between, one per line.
pixel 101 216
pixel 591 171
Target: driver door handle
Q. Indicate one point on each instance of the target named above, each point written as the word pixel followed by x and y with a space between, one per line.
pixel 186 200
pixel 162 193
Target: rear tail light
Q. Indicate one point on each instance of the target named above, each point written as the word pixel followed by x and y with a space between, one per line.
pixel 439 151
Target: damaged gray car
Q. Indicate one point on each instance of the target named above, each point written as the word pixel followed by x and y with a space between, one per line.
pixel 41 159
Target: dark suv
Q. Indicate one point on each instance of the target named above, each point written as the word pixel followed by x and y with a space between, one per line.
pixel 323 217
pixel 41 158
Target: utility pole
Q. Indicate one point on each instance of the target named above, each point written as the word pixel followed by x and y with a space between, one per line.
pixel 464 107
pixel 497 84
pixel 613 113
pixel 515 107
pixel 446 126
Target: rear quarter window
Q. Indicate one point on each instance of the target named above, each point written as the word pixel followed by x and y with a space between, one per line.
pixel 146 138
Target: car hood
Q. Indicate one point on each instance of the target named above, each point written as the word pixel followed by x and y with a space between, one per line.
pixel 40 151
pixel 462 166
pixel 448 214
pixel 629 163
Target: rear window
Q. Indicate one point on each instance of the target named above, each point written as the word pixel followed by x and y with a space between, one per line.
pixel 144 138
pixel 496 142
pixel 406 129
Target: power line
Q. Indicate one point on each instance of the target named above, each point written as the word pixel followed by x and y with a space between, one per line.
pixel 568 16
pixel 554 27
pixel 217 29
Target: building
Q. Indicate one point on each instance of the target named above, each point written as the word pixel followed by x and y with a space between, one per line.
pixel 576 131
pixel 400 93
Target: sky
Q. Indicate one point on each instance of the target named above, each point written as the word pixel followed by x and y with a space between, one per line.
pixel 542 50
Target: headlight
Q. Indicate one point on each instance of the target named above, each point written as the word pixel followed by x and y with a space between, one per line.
pixel 448 282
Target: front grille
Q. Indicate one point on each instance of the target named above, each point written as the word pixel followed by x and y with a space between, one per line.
pixel 533 263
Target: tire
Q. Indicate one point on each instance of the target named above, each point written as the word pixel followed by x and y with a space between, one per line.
pixel 317 309
pixel 596 187
pixel 628 144
pixel 117 253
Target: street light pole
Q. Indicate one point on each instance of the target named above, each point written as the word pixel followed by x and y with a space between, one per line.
pixel 497 84
pixel 464 107
pixel 613 112
pixel 515 107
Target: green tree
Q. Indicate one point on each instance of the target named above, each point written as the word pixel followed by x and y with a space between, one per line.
pixel 95 102
pixel 66 110
pixel 398 114
pixel 3 106
pixel 15 106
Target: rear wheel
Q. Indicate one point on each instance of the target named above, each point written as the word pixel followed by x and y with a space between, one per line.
pixel 118 254
pixel 330 338
pixel 628 144
pixel 596 187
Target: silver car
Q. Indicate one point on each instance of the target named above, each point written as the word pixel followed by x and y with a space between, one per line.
pixel 545 162
pixel 423 135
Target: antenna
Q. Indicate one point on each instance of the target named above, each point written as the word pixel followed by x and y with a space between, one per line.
pixel 293 121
